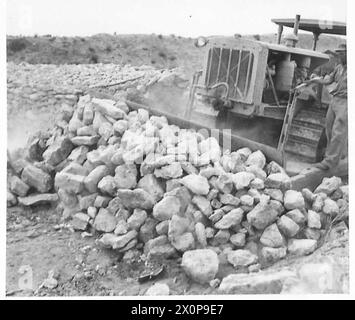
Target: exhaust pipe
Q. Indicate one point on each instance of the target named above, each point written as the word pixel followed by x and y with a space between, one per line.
pixel 296 25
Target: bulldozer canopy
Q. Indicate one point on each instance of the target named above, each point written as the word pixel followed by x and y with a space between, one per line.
pixel 315 26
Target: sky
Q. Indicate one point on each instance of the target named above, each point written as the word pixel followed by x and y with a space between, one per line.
pixel 180 17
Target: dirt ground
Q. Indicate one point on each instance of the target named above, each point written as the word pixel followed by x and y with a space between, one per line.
pixel 81 267
pixel 37 238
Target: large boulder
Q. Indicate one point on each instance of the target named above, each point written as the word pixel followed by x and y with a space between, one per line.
pixel 88 114
pixel 257 158
pixel 272 237
pixel 224 183
pixel 152 185
pixel 18 187
pixel 210 146
pixel 106 154
pixel 171 171
pixel 301 247
pixel 36 178
pixel 126 176
pixel 68 199
pixel 184 242
pixel 107 185
pixel 35 199
pixel 200 232
pixel 313 220
pixel 287 226
pixel 231 219
pixel 262 215
pixel 86 131
pixel 72 183
pixel 147 230
pixel 92 180
pixel 87 201
pixel 183 194
pixel 107 107
pixel 274 167
pixel 197 184
pixel 177 226
pixel 330 207
pixel 271 255
pixel 203 205
pixel 242 179
pixel 105 221
pixel 137 219
pixel 166 208
pixel 275 194
pixel 229 199
pixel 11 199
pixel 238 239
pixel 158 289
pixel 85 140
pixel 297 216
pixel 328 185
pixel 200 265
pixel 257 171
pixel 118 242
pixel 75 168
pixel 241 258
pixel 256 283
pixel 58 151
pixel 293 200
pixel 80 221
pixel 155 242
pixel 137 198
pixel 120 126
pixel 278 180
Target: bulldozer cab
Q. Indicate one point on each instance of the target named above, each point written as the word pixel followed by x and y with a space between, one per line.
pixel 254 89
pixel 252 76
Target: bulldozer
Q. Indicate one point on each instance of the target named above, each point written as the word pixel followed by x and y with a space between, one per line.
pixel 259 91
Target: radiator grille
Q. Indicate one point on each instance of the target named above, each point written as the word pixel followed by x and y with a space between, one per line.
pixel 234 67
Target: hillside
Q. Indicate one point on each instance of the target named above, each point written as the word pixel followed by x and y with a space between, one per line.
pixel 157 50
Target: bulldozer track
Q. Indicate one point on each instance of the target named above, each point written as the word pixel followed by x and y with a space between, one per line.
pixel 305 134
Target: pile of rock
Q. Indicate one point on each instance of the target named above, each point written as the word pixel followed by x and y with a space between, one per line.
pixel 149 187
pixel 47 86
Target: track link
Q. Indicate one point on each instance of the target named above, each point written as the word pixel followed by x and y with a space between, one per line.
pixel 305 134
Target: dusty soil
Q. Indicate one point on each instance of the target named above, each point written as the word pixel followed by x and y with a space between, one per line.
pixel 82 267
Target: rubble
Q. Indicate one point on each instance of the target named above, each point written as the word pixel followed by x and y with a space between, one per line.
pixel 200 265
pixel 158 289
pixel 301 246
pixel 272 237
pixel 293 200
pixel 328 185
pixel 143 185
pixel 241 258
pixel 257 283
pixel 38 198
pixel 18 187
pixel 105 221
pixel 36 178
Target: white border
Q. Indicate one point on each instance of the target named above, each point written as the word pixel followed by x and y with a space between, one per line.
pixel 206 298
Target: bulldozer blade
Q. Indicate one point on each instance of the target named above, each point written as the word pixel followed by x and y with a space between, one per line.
pixel 311 177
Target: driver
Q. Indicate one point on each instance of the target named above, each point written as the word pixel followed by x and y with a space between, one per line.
pixel 337 115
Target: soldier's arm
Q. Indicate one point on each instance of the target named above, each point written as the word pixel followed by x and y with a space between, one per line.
pixel 327 79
